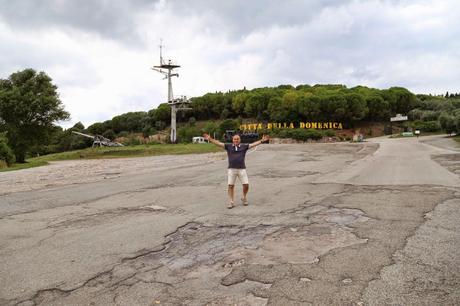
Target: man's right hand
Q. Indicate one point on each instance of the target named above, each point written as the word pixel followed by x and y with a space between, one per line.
pixel 214 141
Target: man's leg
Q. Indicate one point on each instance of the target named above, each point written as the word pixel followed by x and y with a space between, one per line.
pixel 245 191
pixel 245 182
pixel 231 187
pixel 231 192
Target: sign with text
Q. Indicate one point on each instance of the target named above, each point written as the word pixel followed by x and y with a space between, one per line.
pixel 291 125
pixel 398 117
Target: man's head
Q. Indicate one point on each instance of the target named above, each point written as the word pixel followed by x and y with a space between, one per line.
pixel 236 140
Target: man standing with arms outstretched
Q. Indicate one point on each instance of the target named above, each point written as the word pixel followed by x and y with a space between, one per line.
pixel 236 152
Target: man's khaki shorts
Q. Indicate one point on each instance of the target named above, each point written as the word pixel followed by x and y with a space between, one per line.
pixel 240 173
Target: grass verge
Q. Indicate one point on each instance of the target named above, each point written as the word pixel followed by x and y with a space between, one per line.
pixel 117 152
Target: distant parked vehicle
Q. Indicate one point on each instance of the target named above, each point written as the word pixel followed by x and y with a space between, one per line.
pixel 199 139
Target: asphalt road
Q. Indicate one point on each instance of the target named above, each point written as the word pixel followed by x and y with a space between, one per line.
pixel 328 224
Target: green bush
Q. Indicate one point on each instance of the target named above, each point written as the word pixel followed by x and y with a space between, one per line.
pixel 426 126
pixel 6 154
pixel 301 134
pixel 185 134
pixel 457 123
pixel 123 134
pixel 228 124
pixel 148 130
pixel 110 134
pixel 212 129
pixel 132 141
pixel 191 121
pixel 447 123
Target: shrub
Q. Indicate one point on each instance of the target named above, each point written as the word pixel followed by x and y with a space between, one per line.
pixel 301 134
pixel 132 141
pixel 110 134
pixel 191 121
pixel 447 123
pixel 228 124
pixel 426 126
pixel 211 128
pixel 123 134
pixel 148 130
pixel 186 134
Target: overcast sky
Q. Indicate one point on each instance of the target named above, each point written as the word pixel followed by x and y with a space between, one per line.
pixel 99 52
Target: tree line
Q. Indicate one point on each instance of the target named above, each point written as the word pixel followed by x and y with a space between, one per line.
pixel 284 103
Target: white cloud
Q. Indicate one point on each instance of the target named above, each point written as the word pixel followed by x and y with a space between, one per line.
pixel 102 73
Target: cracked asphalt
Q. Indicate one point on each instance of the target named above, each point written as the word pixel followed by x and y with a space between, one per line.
pixel 374 223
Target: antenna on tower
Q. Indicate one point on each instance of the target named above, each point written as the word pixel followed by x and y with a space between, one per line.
pixel 161 52
pixel 176 104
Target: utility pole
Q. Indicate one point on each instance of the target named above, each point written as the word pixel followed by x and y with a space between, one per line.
pixel 176 104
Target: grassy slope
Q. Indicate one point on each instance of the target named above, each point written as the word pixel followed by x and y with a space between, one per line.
pixel 118 152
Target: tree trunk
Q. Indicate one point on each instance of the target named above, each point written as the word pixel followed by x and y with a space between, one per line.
pixel 20 158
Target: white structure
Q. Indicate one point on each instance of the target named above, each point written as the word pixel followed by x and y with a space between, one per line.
pixel 398 117
pixel 176 104
pixel 199 139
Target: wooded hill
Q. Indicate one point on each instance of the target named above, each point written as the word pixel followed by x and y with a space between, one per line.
pixel 284 103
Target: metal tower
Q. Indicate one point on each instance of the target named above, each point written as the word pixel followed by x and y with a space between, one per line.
pixel 176 104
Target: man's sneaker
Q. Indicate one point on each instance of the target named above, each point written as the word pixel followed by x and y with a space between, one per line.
pixel 245 201
pixel 230 205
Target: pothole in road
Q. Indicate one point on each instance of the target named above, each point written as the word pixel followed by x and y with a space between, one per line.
pixel 197 254
pixel 449 161
pixel 325 230
pixel 195 259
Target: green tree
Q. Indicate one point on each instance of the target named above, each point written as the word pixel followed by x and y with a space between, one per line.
pixel 309 107
pixel 275 109
pixel 99 128
pixel 228 124
pixel 67 141
pixel 447 123
pixel 110 134
pixel 211 128
pixel 132 122
pixel 239 103
pixel 29 108
pixel 6 154
pixel 162 113
pixel 379 109
pixel 186 134
pixel 400 99
pixel 356 107
pixel 457 123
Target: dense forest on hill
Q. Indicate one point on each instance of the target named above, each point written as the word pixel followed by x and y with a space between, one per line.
pixel 284 103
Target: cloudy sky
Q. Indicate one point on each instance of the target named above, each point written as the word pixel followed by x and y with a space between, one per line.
pixel 99 52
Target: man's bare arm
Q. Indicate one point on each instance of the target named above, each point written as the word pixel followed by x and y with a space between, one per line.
pixel 214 141
pixel 258 142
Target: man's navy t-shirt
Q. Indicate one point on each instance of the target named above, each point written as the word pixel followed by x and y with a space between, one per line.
pixel 236 155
